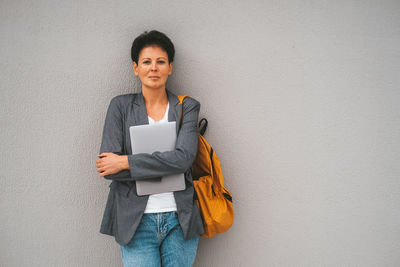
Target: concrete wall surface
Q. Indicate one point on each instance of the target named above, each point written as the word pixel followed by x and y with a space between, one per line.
pixel 302 99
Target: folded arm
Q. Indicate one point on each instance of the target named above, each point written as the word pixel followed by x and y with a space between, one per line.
pixel 145 165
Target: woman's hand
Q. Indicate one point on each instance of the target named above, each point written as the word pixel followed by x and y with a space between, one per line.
pixel 110 163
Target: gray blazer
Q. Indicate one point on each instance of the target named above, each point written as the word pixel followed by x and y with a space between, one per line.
pixel 124 208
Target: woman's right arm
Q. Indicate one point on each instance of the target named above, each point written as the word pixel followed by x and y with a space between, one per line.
pixel 112 139
pixel 157 164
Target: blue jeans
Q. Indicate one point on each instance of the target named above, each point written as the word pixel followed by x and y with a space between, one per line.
pixel 159 241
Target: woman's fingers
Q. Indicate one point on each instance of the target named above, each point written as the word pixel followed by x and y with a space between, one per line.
pixel 103 171
pixel 104 154
pixel 105 164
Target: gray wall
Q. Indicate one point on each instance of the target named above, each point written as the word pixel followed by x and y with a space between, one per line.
pixel 302 102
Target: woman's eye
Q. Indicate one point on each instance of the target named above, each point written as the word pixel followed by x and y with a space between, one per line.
pixel 146 62
pixel 161 61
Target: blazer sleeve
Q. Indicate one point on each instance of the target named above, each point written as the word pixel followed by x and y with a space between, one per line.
pixel 145 165
pixel 112 140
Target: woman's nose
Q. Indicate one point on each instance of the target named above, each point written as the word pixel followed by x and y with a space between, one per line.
pixel 154 66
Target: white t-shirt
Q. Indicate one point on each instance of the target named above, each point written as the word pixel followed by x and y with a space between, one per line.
pixel 162 202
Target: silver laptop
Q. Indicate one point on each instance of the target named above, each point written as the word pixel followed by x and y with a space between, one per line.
pixel 150 138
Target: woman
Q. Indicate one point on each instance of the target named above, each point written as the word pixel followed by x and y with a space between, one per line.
pixel 161 229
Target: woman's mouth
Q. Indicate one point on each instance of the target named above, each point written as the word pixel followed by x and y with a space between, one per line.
pixel 154 77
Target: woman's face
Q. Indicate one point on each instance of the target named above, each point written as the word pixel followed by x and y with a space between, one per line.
pixel 153 68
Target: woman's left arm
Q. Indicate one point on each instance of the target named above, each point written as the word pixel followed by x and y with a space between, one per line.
pixel 179 160
pixel 145 165
pixel 112 163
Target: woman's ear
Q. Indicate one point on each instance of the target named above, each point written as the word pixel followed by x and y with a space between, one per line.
pixel 170 68
pixel 135 66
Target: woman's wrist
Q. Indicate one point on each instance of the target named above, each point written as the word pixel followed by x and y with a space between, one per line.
pixel 124 163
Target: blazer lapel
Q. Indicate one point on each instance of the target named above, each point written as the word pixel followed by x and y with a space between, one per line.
pixel 140 110
pixel 174 109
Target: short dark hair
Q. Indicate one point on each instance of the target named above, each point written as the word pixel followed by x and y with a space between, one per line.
pixel 152 38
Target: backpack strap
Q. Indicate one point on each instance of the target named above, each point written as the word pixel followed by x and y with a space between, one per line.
pixel 181 97
pixel 202 128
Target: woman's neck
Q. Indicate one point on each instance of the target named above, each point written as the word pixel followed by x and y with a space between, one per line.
pixel 155 96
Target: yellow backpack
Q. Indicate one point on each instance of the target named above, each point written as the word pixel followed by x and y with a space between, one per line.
pixel 213 199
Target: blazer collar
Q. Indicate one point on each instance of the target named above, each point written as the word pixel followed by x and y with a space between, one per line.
pixel 172 98
pixel 141 111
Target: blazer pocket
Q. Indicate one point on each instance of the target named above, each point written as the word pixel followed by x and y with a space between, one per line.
pixel 120 188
